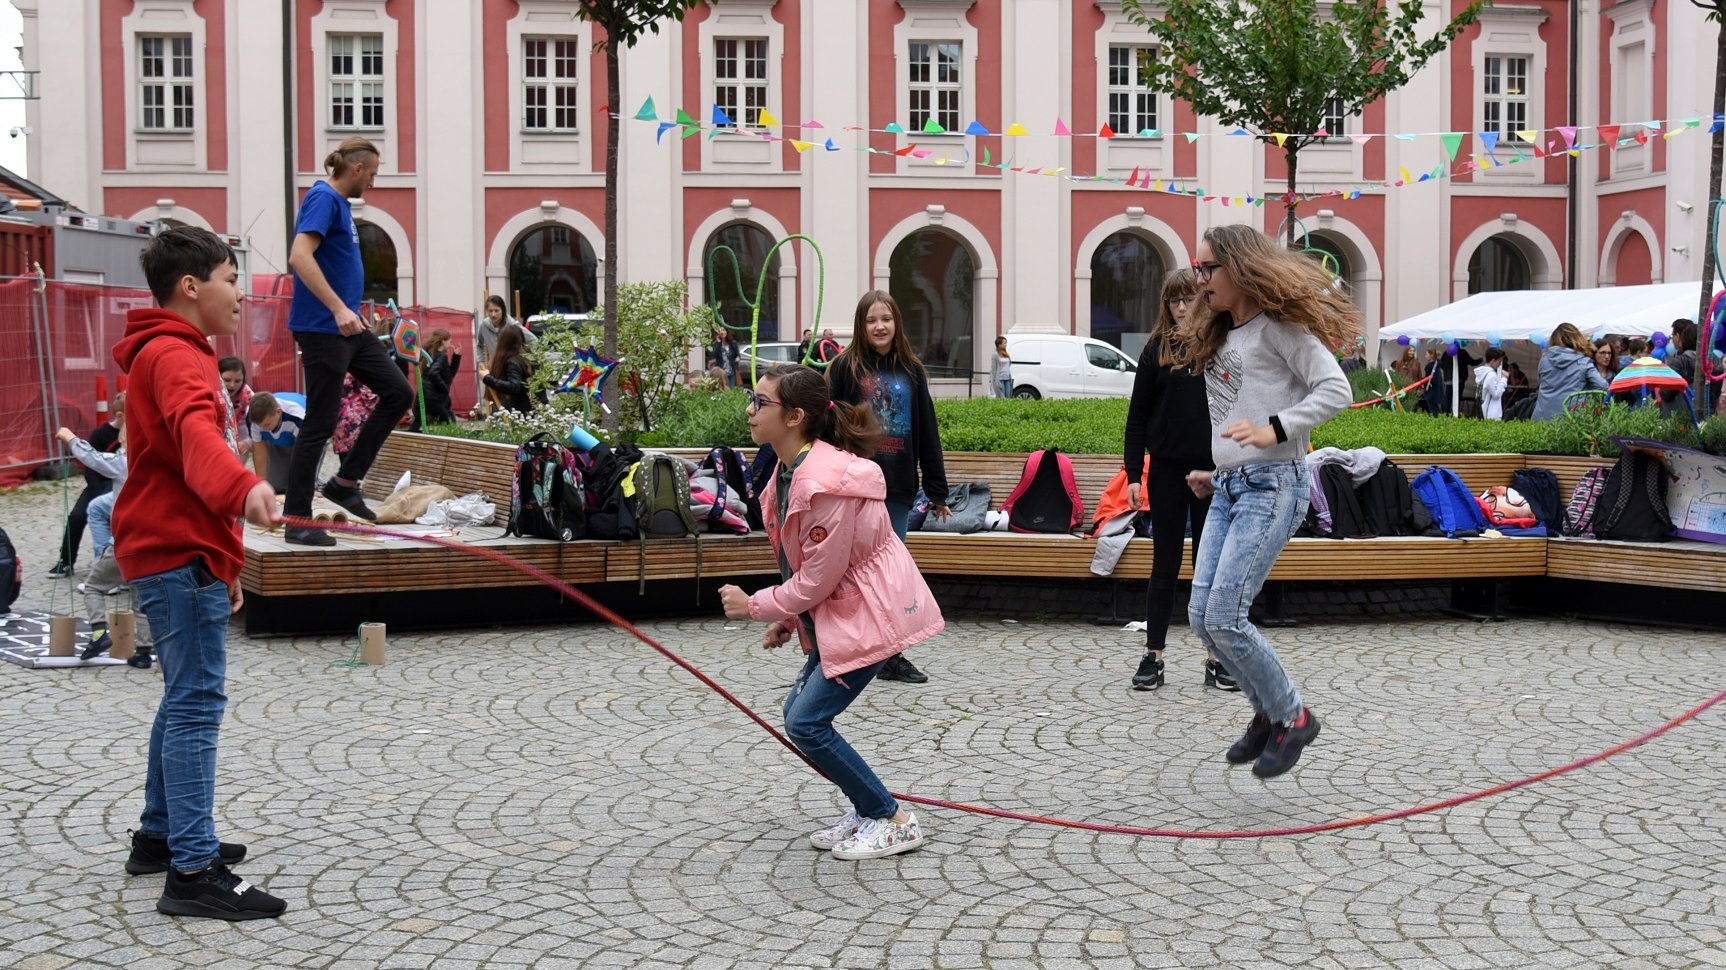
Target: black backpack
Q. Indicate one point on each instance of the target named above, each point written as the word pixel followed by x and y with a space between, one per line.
pixel 1539 488
pixel 610 514
pixel 545 497
pixel 11 573
pixel 734 475
pixel 1388 503
pixel 1347 519
pixel 1632 503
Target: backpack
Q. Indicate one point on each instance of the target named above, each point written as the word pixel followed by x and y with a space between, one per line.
pixel 1632 503
pixel 1539 488
pixel 732 473
pixel 11 573
pixel 1047 497
pixel 545 496
pixel 1584 500
pixel 1347 520
pixel 662 506
pixel 1387 504
pixel 1454 509
pixel 610 513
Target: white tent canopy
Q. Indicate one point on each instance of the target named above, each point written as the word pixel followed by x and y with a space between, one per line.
pixel 1529 314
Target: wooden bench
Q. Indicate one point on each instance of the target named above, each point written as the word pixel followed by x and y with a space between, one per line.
pixel 288 580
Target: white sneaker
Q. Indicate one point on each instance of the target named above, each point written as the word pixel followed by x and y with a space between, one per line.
pixel 881 837
pixel 841 830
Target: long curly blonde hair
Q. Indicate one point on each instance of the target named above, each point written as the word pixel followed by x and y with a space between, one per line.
pixel 1287 285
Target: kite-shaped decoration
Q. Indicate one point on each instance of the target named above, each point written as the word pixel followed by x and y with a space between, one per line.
pixel 1646 372
pixel 587 374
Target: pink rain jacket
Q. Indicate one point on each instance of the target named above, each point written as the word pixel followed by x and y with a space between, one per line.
pixel 849 570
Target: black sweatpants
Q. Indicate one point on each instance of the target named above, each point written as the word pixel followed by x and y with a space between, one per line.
pixel 327 358
pixel 1172 502
pixel 78 518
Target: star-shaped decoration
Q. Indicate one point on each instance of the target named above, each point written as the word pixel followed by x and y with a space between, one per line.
pixel 587 374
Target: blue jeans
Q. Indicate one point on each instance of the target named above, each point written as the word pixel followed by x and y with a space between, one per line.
pixel 99 514
pixel 1255 510
pixel 899 513
pixel 810 708
pixel 1005 386
pixel 188 612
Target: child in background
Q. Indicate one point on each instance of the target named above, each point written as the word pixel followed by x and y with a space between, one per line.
pixel 111 466
pixel 1001 370
pixel 439 376
pixel 1492 380
pixel 240 398
pixel 275 420
pixel 105 438
pixel 850 589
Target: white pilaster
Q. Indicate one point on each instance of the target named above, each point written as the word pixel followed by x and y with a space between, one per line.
pixel 1034 255
pixel 449 220
pixel 257 178
pixel 1417 264
pixel 649 181
pixel 835 200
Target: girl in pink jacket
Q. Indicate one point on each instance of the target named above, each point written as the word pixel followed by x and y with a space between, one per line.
pixel 851 590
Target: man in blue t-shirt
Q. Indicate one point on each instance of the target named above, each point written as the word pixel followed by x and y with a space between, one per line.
pixel 334 341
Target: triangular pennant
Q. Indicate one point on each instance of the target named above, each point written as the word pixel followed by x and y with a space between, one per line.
pixel 1404 137
pixel 1424 176
pixel 931 127
pixel 684 119
pixel 1719 121
pixel 1158 187
pixel 1569 133
pixel 721 119
pixel 1192 136
pixel 647 112
pixel 1668 133
pixel 1061 127
pixel 1641 136
pixel 894 128
pixel 1226 200
pixel 1537 152
pixel 985 156
pixel 811 124
pixel 1527 135
pixel 1452 141
pixel 1692 122
pixel 1321 133
pixel 1149 133
pixel 1105 132
pixel 1403 170
pixel 1488 140
pixel 1133 179
pixel 830 146
pixel 766 120
pixel 802 146
pixel 1608 135
pixel 922 153
pixel 664 126
pixel 690 132
pixel 976 128
pixel 1240 131
pixel 1016 130
pixel 1281 137
pixel 1360 139
pixel 1574 153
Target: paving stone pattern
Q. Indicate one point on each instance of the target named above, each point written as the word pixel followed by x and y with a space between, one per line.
pixel 564 797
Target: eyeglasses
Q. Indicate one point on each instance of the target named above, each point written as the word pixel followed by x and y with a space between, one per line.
pixel 759 401
pixel 1183 301
pixel 1205 270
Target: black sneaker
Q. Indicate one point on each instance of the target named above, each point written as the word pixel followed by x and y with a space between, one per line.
pixel 60 571
pixel 97 646
pixel 348 497
pixel 1285 747
pixel 1150 673
pixel 216 893
pixel 1216 675
pixel 150 854
pixel 901 669
pixel 141 659
pixel 302 536
pixel 1252 743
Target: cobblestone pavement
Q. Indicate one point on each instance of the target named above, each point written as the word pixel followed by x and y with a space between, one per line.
pixel 564 797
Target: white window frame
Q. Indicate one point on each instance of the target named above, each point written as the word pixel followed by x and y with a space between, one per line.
pixel 548 151
pixel 1496 92
pixel 1632 26
pixel 1153 157
pixel 1335 111
pixel 167 149
pixel 933 22
pixel 362 82
pixel 741 149
pixel 558 87
pixel 354 17
pixel 173 87
pixel 1135 90
pixel 1510 30
pixel 746 94
pixel 926 64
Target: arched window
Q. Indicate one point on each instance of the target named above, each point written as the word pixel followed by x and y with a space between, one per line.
pixel 553 269
pixel 1126 290
pixel 1498 265
pixel 931 276
pixel 378 260
pixel 735 289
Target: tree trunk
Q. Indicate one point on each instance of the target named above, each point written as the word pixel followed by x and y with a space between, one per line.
pixel 1291 153
pixel 1710 240
pixel 613 78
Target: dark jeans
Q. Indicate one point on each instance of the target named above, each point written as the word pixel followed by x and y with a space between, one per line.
pixel 73 537
pixel 328 357
pixel 1172 504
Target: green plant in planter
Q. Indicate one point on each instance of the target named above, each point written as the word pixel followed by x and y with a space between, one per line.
pixel 1713 434
pixel 1589 423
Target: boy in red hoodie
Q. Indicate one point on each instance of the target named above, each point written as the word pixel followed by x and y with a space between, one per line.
pixel 182 556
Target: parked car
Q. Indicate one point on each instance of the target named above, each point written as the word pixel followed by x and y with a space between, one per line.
pixel 1063 365
pixel 544 323
pixel 767 354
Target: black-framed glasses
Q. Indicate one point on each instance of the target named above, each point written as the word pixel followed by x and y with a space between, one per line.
pixel 1183 301
pixel 1205 270
pixel 759 401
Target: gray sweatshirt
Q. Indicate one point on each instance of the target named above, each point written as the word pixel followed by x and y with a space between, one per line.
pixel 1269 372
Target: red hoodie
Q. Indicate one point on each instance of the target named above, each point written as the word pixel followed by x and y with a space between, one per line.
pixel 185 489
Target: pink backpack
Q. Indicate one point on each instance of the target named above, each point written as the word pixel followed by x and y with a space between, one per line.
pixel 1047 497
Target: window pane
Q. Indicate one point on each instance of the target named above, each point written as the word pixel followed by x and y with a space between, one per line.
pixel 1126 290
pixel 150 57
pixel 552 275
pixel 567 54
pixel 949 60
pixel 725 59
pixel 932 277
pixel 533 58
pixel 756 60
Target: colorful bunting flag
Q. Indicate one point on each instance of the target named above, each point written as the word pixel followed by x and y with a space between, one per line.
pixel 1016 130
pixel 931 127
pixel 908 149
pixel 684 119
pixel 721 119
pixel 894 128
pixel 830 146
pixel 1569 133
pixel 766 120
pixel 802 146
pixel 1609 135
pixel 1281 137
pixel 1452 141
pixel 647 112
pixel 1061 128
pixel 1527 135
pixel 1133 179
pixel 1360 139
pixel 976 128
pixel 1105 132
pixel 664 126
pixel 1488 140
pixel 1403 169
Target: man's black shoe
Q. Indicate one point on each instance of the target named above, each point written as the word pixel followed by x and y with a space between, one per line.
pixel 1285 746
pixel 97 645
pixel 302 536
pixel 61 570
pixel 1252 743
pixel 150 854
pixel 216 893
pixel 140 659
pixel 1150 673
pixel 348 497
pixel 903 670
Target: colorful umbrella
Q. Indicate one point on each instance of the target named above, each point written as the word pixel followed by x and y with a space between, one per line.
pixel 1646 372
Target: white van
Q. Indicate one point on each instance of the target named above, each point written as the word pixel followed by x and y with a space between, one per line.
pixel 1063 365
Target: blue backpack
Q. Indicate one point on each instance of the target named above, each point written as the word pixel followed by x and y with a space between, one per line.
pixel 1453 507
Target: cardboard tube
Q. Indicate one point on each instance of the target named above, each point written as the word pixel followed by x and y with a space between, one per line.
pixel 122 629
pixel 62 630
pixel 372 643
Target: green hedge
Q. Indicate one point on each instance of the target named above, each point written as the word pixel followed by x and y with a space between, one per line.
pixel 698 419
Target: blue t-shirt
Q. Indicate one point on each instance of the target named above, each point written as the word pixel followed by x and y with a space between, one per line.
pixel 293 415
pixel 326 213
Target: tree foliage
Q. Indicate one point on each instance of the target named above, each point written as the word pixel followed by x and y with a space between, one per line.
pixel 1273 66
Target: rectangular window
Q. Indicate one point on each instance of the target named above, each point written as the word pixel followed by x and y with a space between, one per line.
pixel 1335 118
pixel 165 82
pixel 1505 81
pixel 935 84
pixel 1132 102
pixel 356 80
pixel 548 92
pixel 740 79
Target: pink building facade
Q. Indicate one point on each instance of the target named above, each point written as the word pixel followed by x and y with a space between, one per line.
pixel 490 117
